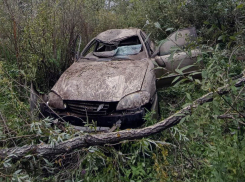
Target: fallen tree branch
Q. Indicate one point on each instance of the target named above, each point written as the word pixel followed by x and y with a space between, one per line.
pixel 113 137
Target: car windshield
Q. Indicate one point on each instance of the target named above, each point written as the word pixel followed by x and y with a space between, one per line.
pixel 128 50
pixel 121 49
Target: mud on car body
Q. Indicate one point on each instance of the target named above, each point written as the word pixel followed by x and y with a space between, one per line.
pixel 115 78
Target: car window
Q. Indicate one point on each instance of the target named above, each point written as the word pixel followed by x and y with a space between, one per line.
pixel 91 48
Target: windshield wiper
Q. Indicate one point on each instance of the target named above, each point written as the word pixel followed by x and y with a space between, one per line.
pixel 121 58
pixel 88 58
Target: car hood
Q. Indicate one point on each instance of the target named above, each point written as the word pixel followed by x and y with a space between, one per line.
pixel 101 81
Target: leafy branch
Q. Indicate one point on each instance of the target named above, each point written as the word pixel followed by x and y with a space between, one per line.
pixel 113 137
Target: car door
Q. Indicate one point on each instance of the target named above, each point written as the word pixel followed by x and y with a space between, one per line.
pixel 173 60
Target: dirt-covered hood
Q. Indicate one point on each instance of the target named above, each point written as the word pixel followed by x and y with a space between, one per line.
pixel 101 81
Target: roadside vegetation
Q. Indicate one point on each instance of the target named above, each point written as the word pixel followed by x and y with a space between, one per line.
pixel 38 42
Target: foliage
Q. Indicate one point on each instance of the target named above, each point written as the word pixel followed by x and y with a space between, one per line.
pixel 37 43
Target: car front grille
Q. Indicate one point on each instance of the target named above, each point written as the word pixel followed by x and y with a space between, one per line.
pixel 86 108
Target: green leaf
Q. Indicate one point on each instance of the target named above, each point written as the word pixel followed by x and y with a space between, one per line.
pixel 186 67
pixel 239 6
pixel 233 88
pixel 182 120
pixel 204 74
pixel 170 58
pixel 18 171
pixel 47 162
pixel 210 30
pixel 177 78
pixel 157 25
pixel 179 114
pixel 27 156
pixel 169 29
pixel 179 71
pixel 222 37
pixel 185 105
pixel 161 42
pixel 188 96
pixel 147 38
pixel 206 22
pixel 232 37
pixel 195 73
pixel 179 82
pixel 198 81
pixel 155 64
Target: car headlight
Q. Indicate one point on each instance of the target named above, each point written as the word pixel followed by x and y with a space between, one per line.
pixel 55 101
pixel 134 100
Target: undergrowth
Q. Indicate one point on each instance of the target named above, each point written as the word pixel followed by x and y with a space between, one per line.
pixel 36 45
pixel 203 147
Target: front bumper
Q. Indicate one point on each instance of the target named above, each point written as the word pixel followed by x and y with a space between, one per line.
pixel 128 119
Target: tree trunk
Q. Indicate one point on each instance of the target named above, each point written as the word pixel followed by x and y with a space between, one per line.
pixel 110 138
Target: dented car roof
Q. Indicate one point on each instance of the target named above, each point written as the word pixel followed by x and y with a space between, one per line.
pixel 114 35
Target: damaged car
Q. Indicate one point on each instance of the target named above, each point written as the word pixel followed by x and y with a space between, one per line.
pixel 116 76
